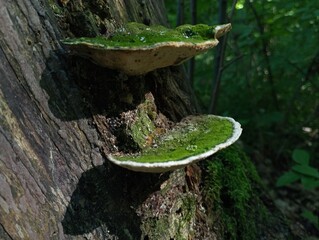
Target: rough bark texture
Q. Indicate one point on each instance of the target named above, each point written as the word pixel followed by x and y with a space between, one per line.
pixel 54 132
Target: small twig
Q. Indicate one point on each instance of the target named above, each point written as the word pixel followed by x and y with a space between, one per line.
pixel 232 61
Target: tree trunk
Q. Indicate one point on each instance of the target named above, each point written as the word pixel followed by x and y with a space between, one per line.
pixel 56 114
pixel 54 134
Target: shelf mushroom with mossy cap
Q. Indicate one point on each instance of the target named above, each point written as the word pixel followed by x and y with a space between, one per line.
pixel 191 140
pixel 163 147
pixel 137 49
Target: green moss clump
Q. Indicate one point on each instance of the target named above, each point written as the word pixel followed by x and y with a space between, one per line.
pixel 199 31
pixel 190 138
pixel 229 192
pixel 175 211
pixel 55 7
pixel 139 35
pixel 142 127
pixel 140 122
pixel 177 225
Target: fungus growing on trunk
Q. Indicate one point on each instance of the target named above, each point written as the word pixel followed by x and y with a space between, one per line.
pixel 137 49
pixel 192 139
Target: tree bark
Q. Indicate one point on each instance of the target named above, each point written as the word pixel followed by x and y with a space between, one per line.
pixel 54 134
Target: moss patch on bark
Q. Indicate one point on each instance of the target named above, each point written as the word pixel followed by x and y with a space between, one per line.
pixel 231 195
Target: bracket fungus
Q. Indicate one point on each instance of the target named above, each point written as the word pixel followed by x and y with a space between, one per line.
pixel 137 49
pixel 192 139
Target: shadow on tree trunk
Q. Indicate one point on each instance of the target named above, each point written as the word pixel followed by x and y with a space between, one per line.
pixel 109 197
pixel 80 89
pixel 106 196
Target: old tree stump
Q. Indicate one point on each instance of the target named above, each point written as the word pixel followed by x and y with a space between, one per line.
pixel 56 115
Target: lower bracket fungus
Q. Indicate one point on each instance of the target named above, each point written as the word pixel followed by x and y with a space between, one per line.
pixel 137 49
pixel 192 139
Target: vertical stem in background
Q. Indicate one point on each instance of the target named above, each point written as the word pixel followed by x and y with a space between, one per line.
pixel 220 53
pixel 191 68
pixel 219 57
pixel 180 12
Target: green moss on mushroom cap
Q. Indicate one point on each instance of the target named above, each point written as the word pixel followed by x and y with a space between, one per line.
pixel 194 138
pixel 137 35
pixel 137 49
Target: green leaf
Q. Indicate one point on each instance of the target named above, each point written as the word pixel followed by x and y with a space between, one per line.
pixel 306 170
pixel 301 156
pixel 311 218
pixel 287 178
pixel 309 183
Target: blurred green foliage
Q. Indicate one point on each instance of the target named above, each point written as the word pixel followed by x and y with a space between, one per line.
pixel 301 170
pixel 306 174
pixel 270 80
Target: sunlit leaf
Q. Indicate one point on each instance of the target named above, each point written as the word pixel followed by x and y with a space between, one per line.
pixel 306 170
pixel 301 156
pixel 309 183
pixel 287 178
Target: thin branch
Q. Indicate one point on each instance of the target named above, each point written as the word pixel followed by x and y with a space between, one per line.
pixel 193 11
pixel 220 54
pixel 232 62
pixel 180 12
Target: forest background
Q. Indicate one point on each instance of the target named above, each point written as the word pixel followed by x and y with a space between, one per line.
pixel 269 82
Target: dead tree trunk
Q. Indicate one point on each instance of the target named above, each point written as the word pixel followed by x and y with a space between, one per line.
pixel 53 133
